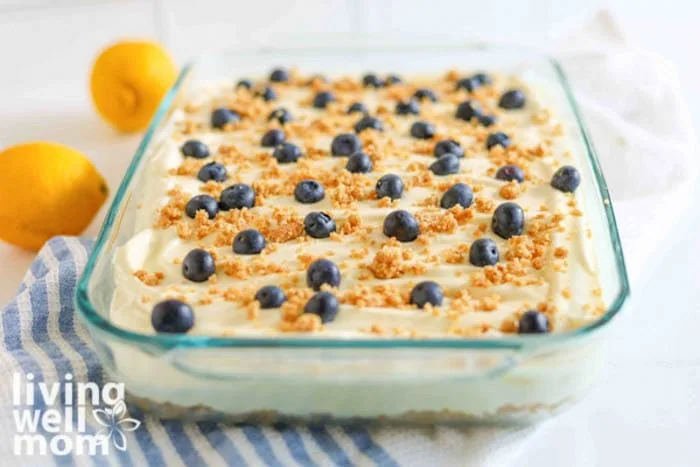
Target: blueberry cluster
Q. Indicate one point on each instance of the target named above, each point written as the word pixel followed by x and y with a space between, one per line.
pixel 371 80
pixel 508 220
pixel 469 110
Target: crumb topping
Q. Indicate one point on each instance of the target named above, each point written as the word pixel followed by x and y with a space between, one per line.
pixel 378 273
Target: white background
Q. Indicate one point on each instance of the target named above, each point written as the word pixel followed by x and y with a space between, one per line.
pixel 645 411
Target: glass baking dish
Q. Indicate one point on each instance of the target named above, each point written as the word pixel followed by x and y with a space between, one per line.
pixel 509 379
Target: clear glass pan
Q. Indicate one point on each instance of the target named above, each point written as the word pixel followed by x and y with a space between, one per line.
pixel 508 378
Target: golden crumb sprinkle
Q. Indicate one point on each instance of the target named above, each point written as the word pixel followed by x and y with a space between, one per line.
pixel 457 254
pixel 174 210
pixel 436 221
pixel 306 322
pixel 351 225
pixel 378 272
pixel 541 116
pixel 150 279
pixel 394 261
pixel 252 310
pixel 189 166
pixel 561 252
pixel 380 296
pixel 510 190
pixel 484 205
pixel 489 303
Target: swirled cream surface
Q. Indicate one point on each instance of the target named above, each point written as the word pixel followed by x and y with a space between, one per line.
pixel 550 267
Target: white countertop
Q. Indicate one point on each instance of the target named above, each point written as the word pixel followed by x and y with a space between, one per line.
pixel 646 409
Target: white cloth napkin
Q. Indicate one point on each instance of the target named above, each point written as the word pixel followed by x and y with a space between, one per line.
pixel 632 104
pixel 639 124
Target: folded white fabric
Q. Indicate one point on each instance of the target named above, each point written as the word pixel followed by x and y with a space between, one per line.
pixel 632 104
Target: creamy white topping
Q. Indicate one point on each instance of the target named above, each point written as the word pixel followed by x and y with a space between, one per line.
pixel 563 282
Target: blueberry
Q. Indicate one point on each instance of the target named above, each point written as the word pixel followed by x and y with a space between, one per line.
pixel 270 296
pixel 409 107
pixel 322 99
pixel 358 107
pixel 286 153
pixel 198 265
pixel 367 123
pixel 222 116
pixel 510 172
pixel 370 80
pixel 389 185
pixel 513 99
pixel 322 271
pixel 248 242
pixel 244 83
pixel 482 78
pixel 422 130
pixel 483 252
pixel 446 164
pixel 468 110
pixel 345 144
pixel 323 304
pixel 194 148
pixel 279 75
pixel 202 203
pixel 459 193
pixel 393 79
pixel 566 179
pixel 508 220
pixel 172 316
pixel 268 94
pixel 468 84
pixel 533 322
pixel 498 138
pixel 423 94
pixel 272 138
pixel 281 115
pixel 359 163
pixel 486 120
pixel 309 191
pixel 212 171
pixel 401 225
pixel 448 146
pixel 319 225
pixel 237 196
pixel 426 292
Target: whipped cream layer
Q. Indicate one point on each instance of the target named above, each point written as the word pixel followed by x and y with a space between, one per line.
pixel 551 267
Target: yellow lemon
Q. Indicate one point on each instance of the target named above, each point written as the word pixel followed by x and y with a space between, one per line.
pixel 128 81
pixel 46 189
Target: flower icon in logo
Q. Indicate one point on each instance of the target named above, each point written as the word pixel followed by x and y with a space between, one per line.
pixel 115 424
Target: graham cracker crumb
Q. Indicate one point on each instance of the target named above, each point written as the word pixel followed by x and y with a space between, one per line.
pixel 150 279
pixel 394 261
pixel 510 190
pixel 307 322
pixel 561 253
pixel 484 205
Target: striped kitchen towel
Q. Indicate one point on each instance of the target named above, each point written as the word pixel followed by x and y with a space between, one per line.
pixel 43 341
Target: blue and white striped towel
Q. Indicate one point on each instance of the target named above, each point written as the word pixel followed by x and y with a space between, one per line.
pixel 41 335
